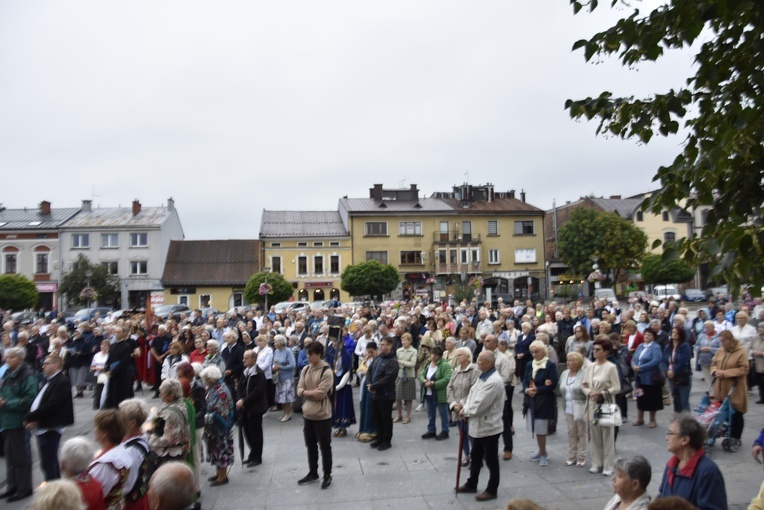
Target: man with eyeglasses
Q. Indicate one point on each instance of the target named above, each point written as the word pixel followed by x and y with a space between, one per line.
pixel 51 411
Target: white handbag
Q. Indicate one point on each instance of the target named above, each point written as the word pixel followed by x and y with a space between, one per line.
pixel 608 415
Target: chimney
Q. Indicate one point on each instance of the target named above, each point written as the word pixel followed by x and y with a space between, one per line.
pixel 170 204
pixel 511 193
pixel 376 192
pixel 44 207
pixel 522 195
pixel 136 207
pixel 489 197
pixel 87 206
pixel 615 197
pixel 414 191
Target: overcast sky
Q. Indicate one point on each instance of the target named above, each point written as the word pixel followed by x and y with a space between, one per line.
pixel 235 107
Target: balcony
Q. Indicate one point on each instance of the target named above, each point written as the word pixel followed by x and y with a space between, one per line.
pixel 457 268
pixel 455 237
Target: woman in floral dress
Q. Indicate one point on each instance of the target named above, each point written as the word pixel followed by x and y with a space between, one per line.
pixel 218 424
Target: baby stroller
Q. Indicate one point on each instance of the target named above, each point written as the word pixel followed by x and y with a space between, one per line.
pixel 717 418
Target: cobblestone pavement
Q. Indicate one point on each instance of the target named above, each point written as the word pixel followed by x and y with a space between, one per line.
pixel 418 474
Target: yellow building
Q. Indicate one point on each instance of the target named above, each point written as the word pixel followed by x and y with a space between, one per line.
pixel 434 242
pixel 209 274
pixel 310 249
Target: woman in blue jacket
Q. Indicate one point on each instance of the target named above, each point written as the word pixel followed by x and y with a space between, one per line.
pixel 648 378
pixel 676 364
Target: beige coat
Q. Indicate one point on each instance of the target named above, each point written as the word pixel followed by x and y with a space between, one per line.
pixel 406 361
pixel 735 362
pixel 312 378
pixel 757 344
pixel 460 383
pixel 600 378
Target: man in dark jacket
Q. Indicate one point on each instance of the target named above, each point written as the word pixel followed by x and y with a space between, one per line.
pixel 252 404
pixel 51 411
pixel 17 392
pixel 381 376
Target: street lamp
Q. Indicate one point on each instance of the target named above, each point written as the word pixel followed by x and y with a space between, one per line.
pixel 266 270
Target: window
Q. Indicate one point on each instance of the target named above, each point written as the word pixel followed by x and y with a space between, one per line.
pixel 452 256
pixel 703 218
pixel 493 228
pixel 275 245
pixel 410 228
pixel 411 258
pixel 10 263
pixel 523 228
pixel 318 244
pixel 139 240
pixel 441 256
pixel 640 216
pixel 669 237
pixel 302 265
pixel 238 299
pixel 376 228
pixel 139 267
pixel 81 241
pixel 183 300
pixel 109 240
pixel 302 245
pixel 475 255
pixel 665 216
pixel 334 244
pixel 276 264
pixel 334 264
pixel 42 263
pixel 318 264
pixel 379 256
pixel 467 231
pixel 493 256
pixel 464 256
pixel 444 231
pixel 111 267
pixel 205 300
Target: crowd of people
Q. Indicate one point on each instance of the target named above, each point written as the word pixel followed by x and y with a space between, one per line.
pixel 462 364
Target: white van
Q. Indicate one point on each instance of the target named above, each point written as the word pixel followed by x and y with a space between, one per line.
pixel 605 293
pixel 662 292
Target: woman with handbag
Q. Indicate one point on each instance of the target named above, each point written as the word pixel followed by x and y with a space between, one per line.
pixel 601 385
pixel 540 404
pixel 676 364
pixel 648 379
pixel 574 403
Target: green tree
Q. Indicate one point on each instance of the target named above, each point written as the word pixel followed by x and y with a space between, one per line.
pixel 369 279
pixel 105 285
pixel 615 241
pixel 721 108
pixel 17 292
pixel 281 290
pixel 657 270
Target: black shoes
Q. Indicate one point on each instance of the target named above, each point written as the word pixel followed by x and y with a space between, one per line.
pixel 19 496
pixel 253 463
pixel 429 435
pixel 327 482
pixel 441 436
pixel 8 493
pixel 375 443
pixel 383 447
pixel 309 478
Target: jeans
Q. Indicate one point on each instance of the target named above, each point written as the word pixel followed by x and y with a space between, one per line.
pixel 318 433
pixel 681 396
pixel 47 444
pixel 442 408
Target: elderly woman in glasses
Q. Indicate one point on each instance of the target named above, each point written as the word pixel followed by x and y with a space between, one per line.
pixel 630 481
pixel 601 385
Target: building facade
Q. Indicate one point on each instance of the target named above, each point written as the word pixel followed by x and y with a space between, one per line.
pixel 310 249
pixel 132 242
pixel 29 244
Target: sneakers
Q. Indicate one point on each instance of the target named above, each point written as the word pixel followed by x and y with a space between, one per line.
pixel 309 478
pixel 594 470
pixel 536 457
pixel 420 407
pixel 544 461
pixel 607 472
pixel 327 482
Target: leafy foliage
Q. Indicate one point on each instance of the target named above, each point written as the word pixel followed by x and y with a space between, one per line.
pixel 105 285
pixel 616 242
pixel 722 109
pixel 369 279
pixel 281 290
pixel 17 292
pixel 657 270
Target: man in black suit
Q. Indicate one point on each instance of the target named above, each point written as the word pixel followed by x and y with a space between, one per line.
pixel 232 353
pixel 252 404
pixel 51 411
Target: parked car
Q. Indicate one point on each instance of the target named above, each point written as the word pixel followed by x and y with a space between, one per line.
pixel 293 305
pixel 605 293
pixel 637 294
pixel 718 292
pixel 207 312
pixel 661 292
pixel 243 309
pixel 164 311
pixel 87 314
pixel 24 318
pixel 694 296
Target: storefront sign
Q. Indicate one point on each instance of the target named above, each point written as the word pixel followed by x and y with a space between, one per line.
pixel 47 287
pixel 314 285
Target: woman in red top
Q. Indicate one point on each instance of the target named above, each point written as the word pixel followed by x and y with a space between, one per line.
pixel 74 458
pixel 198 354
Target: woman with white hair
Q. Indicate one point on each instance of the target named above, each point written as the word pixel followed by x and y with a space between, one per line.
pixel 218 424
pixel 74 459
pixel 213 356
pixel 133 415
pixel 283 366
pixel 539 405
pixel 462 379
pixel 58 495
pixel 170 436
